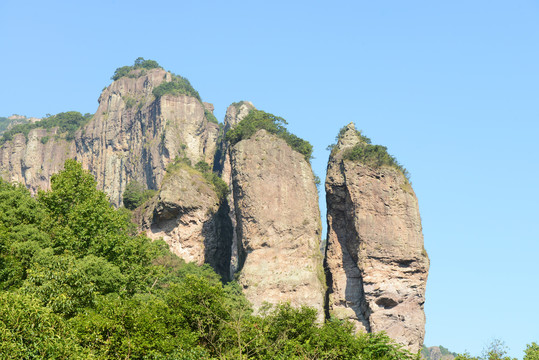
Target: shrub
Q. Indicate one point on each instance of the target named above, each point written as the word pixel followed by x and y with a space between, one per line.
pixel 135 195
pixel 375 156
pixel 177 86
pixel 139 63
pixel 257 120
pixel 129 102
pixel 220 187
pixel 210 117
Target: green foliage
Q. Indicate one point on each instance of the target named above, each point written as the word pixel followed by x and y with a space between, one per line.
pixel 372 155
pixel 5 122
pixel 465 356
pixel 135 195
pixel 238 104
pixel 496 350
pixel 139 63
pixel 425 352
pixel 66 122
pixel 219 185
pixel 129 102
pixel 29 330
pixel 177 86
pixel 211 118
pixel 531 352
pixel 257 120
pixel 77 284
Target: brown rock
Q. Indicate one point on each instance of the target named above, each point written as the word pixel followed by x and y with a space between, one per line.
pixel 124 143
pixel 31 161
pixel 234 114
pixel 208 106
pixel 375 260
pixel 278 225
pixel 132 136
pixel 187 215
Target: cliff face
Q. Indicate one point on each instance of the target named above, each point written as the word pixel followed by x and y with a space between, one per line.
pixel 278 228
pixel 376 264
pixel 132 136
pixel 188 215
pixel 32 162
pixel 136 139
pixel 234 114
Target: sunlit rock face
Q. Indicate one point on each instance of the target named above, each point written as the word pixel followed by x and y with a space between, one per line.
pixel 375 262
pixel 188 215
pixel 278 223
pixel 132 136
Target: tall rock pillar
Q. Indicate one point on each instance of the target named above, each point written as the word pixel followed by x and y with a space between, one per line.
pixel 278 223
pixel 375 262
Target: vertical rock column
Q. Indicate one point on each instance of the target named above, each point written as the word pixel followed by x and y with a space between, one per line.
pixel 376 264
pixel 278 226
pixel 234 114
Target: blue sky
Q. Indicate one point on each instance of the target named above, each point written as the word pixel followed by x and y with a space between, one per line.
pixel 451 88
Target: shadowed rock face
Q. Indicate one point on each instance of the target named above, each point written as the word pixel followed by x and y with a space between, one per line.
pixel 278 228
pixel 376 264
pixel 133 136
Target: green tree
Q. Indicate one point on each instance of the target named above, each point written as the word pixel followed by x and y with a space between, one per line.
pixel 531 352
pixel 29 330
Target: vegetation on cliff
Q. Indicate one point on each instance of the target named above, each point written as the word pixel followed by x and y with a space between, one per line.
pixel 66 122
pixel 219 185
pixel 77 282
pixel 177 86
pixel 8 122
pixel 136 194
pixel 257 120
pixel 210 117
pixel 374 156
pixel 140 63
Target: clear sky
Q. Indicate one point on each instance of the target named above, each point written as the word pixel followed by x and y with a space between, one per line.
pixel 450 87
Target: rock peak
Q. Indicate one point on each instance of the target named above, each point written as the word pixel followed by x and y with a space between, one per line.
pixel 236 112
pixel 375 261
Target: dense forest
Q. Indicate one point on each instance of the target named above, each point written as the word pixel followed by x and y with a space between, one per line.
pixel 78 282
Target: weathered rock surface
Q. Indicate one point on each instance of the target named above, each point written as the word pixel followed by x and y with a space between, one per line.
pixel 137 142
pixel 278 225
pixel 32 162
pixel 234 114
pixel 187 214
pixel 375 260
pixel 132 136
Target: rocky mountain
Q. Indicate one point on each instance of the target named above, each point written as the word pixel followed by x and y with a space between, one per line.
pixel 242 198
pixel 133 135
pixel 375 261
pixel 437 353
